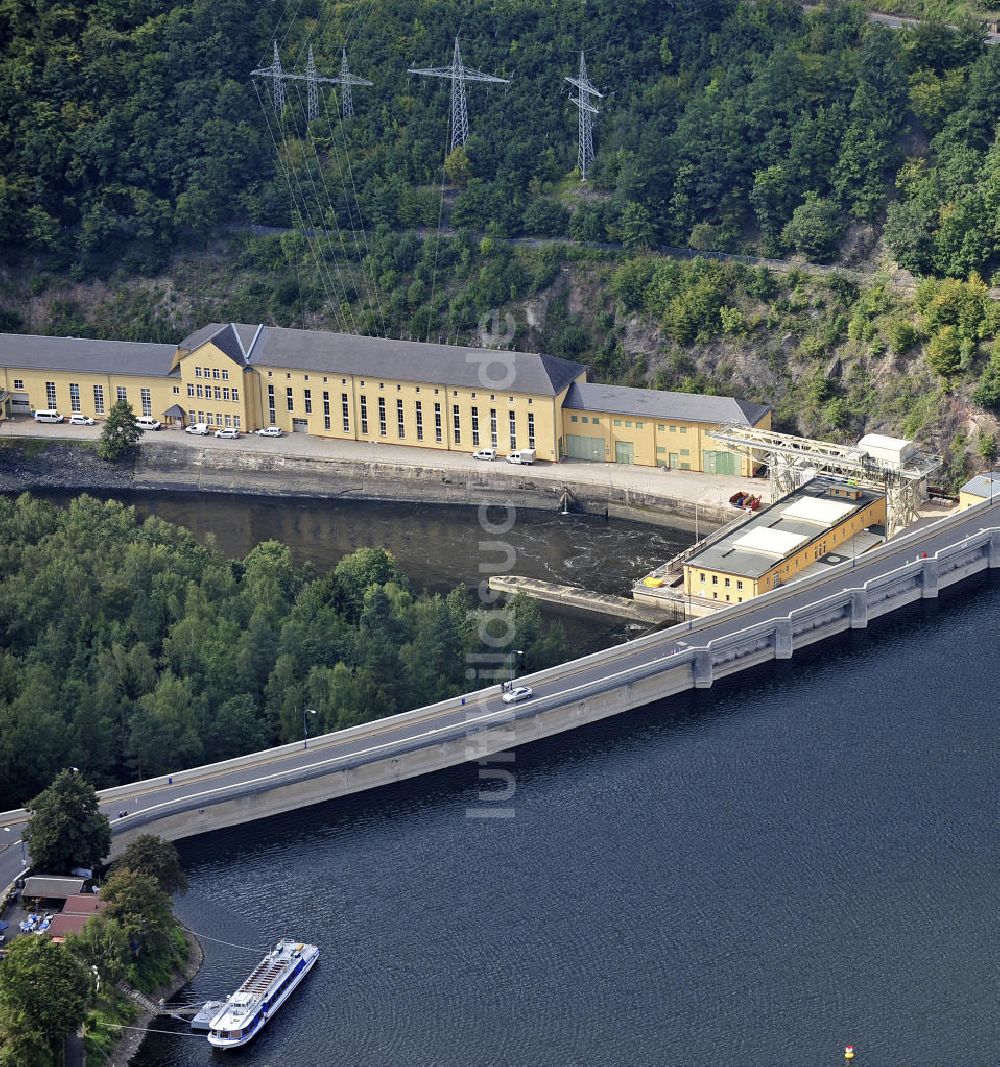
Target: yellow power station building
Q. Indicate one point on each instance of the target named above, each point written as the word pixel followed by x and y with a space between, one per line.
pixel 823 524
pixel 356 388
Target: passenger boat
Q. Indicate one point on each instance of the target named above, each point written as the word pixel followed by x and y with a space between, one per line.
pixel 270 984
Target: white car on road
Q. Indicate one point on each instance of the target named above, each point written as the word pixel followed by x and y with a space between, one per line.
pixel 228 434
pixel 489 454
pixel 200 428
pixel 519 692
pixel 81 420
pixel 269 431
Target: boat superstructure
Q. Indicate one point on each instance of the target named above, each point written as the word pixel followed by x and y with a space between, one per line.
pixel 269 985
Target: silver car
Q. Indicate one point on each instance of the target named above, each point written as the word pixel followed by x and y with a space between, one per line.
pixel 520 692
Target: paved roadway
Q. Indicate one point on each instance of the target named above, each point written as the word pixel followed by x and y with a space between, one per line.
pixel 483 708
pixel 899 22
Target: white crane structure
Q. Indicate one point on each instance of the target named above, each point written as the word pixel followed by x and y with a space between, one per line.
pixel 791 459
pixel 458 74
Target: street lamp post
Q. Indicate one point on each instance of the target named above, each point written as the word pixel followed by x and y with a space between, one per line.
pixel 513 652
pixel 305 725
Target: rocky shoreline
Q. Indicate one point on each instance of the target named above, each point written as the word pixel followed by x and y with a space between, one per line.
pixel 26 466
pixel 131 1040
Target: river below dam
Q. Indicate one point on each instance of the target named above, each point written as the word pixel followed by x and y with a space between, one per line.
pixel 800 858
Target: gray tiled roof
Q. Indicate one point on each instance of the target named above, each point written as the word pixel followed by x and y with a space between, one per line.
pixel 658 404
pixel 81 354
pixel 199 337
pixel 986 486
pixel 228 338
pixel 414 361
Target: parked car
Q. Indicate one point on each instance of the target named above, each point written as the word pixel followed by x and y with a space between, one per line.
pixel 147 422
pixel 48 415
pixel 200 428
pixel 269 431
pixel 489 454
pixel 81 420
pixel 228 434
pixel 519 692
pixel 525 456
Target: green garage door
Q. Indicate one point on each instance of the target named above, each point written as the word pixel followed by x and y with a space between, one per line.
pixel 720 463
pixel 581 447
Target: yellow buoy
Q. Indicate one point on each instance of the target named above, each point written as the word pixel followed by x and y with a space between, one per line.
pixel 848 1052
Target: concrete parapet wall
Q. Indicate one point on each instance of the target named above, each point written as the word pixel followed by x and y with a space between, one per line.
pixel 180 468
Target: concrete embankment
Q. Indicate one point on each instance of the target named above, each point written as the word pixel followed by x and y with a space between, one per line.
pixel 185 469
pixel 585 602
pixel 128 1045
pixel 159 465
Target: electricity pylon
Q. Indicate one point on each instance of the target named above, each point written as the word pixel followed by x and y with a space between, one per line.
pixel 458 74
pixel 277 77
pixel 347 79
pixel 586 89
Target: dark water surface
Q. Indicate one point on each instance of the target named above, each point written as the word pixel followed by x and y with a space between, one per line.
pixel 438 546
pixel 799 858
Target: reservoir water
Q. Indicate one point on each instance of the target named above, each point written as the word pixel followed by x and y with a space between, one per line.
pixel 803 857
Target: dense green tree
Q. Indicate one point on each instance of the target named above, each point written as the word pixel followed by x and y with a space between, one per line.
pixel 458 166
pixel 987 392
pixel 637 230
pixel 944 352
pixel 149 854
pixel 360 571
pixel 814 227
pixel 65 828
pixel 138 903
pixel 170 654
pixel 120 432
pixel 43 996
pixel 103 944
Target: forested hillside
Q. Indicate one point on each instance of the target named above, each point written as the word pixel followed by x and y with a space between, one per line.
pixel 134 141
pixel 129 650
pixel 126 125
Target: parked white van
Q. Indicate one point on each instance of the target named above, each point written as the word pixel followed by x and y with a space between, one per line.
pixel 48 415
pixel 147 422
pixel 523 455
